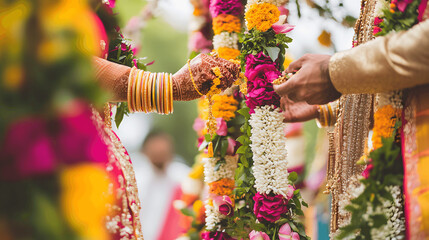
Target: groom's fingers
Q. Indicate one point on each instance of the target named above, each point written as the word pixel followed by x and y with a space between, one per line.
pixel 287 88
pixel 296 65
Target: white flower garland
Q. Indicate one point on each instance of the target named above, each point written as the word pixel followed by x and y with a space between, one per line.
pixel 225 39
pixel 213 217
pixel 269 152
pixel 395 227
pixel 226 170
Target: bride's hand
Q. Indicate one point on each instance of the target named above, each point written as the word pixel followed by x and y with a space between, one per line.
pixel 202 73
pixel 298 111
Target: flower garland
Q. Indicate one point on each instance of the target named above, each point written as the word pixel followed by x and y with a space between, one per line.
pixel 380 204
pixel 219 167
pixel 226 26
pixel 267 200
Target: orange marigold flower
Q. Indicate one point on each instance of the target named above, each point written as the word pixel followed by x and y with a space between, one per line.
pixel 224 107
pixel 262 16
pixel 222 187
pixel 384 123
pixel 227 23
pixel 228 53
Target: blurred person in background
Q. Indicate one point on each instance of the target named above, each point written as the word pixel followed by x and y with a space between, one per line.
pixel 158 178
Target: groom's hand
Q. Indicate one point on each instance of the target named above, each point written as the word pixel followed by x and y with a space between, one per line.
pixel 311 82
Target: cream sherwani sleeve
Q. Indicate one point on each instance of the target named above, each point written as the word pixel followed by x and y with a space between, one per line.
pixel 393 62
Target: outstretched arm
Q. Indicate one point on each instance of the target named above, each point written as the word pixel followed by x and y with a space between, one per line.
pixel 114 77
pixel 387 63
pixel 393 62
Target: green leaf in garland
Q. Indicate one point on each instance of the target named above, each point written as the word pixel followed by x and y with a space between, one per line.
pixel 273 52
pixel 242 149
pixel 224 147
pixel 244 112
pixel 293 176
pixel 244 161
pixel 219 163
pixel 121 110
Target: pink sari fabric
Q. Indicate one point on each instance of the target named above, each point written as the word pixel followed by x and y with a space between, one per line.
pixel 123 221
pixel 415 150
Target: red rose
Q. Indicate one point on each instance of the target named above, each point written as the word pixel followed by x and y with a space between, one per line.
pixel 269 208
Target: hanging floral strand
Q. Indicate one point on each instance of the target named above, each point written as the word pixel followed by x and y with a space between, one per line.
pixel 380 202
pixel 219 167
pixel 274 200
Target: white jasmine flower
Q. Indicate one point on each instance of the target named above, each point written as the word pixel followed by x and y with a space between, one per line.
pixel 226 170
pixel 225 39
pixel 213 217
pixel 269 152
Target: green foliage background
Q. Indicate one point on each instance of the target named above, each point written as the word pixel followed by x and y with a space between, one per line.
pixel 168 47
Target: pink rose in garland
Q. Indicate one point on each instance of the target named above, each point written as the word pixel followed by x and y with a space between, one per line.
pixel 402 4
pixel 290 191
pixel 224 205
pixel 269 208
pixel 216 236
pixel 222 128
pixel 232 7
pixel 231 146
pixel 367 171
pixel 285 233
pixel 422 9
pixel 254 235
pixel 260 73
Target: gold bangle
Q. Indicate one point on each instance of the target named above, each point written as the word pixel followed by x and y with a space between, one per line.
pixel 164 93
pixel 144 93
pixel 150 92
pixel 170 83
pixel 331 115
pixel 130 87
pixel 133 91
pixel 138 91
pixel 320 120
pixel 158 92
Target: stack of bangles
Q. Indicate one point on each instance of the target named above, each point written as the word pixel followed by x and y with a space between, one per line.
pixel 327 115
pixel 150 92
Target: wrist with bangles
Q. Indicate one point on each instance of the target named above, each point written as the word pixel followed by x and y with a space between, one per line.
pixel 150 92
pixel 327 115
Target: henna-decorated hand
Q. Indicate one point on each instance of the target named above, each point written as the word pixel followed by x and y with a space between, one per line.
pixel 201 67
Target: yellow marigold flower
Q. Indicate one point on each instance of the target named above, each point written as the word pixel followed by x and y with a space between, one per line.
pixel 84 198
pixel 197 172
pixel 384 123
pixel 224 107
pixel 228 53
pixel 222 187
pixel 216 71
pixel 214 89
pixel 227 23
pixel 325 38
pixel 262 16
